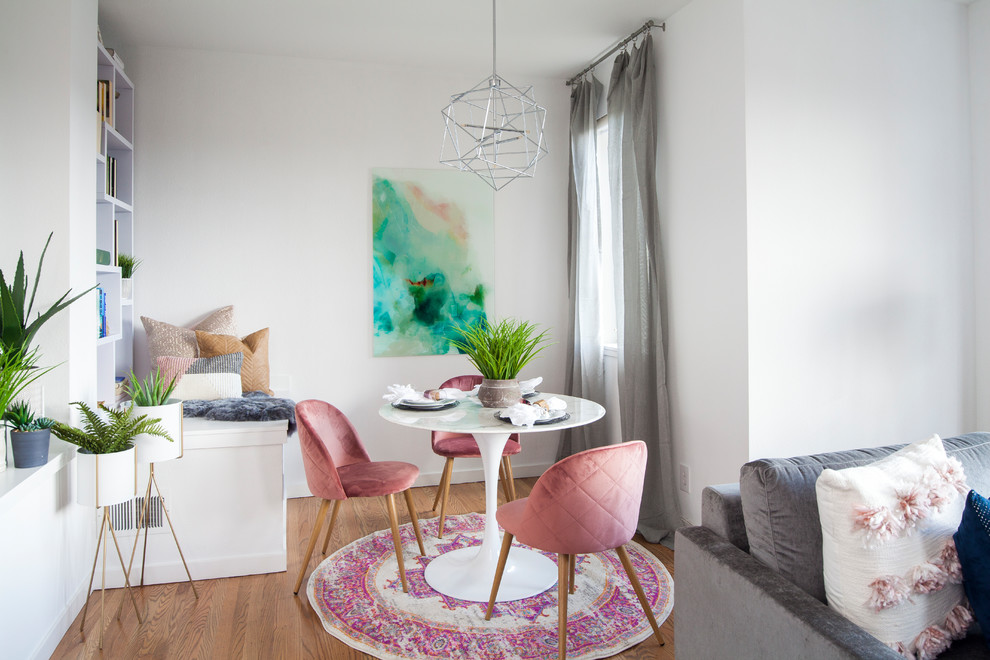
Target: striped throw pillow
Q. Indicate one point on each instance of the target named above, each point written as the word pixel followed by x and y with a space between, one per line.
pixel 206 379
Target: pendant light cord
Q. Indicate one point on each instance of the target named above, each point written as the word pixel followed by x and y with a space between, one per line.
pixel 493 39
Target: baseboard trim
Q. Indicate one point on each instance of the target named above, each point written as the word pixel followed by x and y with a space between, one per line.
pixel 203 569
pixel 46 647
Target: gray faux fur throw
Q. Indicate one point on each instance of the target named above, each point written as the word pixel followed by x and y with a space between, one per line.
pixel 252 407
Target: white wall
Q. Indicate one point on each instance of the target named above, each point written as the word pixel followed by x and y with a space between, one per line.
pixel 858 182
pixel 253 187
pixel 816 192
pixel 47 181
pixel 702 189
pixel 979 79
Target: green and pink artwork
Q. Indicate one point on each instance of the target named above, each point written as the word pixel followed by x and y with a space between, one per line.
pixel 434 258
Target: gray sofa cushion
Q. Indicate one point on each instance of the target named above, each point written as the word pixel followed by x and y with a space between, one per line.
pixel 780 509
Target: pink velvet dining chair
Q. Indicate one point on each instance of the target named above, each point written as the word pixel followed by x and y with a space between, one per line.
pixel 338 467
pixel 585 503
pixel 463 445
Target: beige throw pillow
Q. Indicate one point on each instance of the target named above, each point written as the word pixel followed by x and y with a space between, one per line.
pixel 167 339
pixel 254 370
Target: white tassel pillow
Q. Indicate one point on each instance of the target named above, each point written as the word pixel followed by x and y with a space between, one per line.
pixel 890 564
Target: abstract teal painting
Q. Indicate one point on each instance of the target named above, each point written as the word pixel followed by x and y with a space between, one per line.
pixel 434 257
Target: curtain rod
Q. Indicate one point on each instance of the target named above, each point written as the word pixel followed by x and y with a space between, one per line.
pixel 646 26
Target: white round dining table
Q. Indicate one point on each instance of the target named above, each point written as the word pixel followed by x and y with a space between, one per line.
pixel 468 573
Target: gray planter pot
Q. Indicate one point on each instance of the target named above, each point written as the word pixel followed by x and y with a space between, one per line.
pixel 30 448
pixel 499 393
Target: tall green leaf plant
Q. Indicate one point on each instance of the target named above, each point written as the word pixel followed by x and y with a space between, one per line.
pixel 500 351
pixel 110 435
pixel 17 330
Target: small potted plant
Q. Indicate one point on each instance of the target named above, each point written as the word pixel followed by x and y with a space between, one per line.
pixel 500 352
pixel 17 371
pixel 107 471
pixel 151 397
pixel 29 435
pixel 128 264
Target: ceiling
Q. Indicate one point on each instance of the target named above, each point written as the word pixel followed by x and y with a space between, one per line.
pixel 541 38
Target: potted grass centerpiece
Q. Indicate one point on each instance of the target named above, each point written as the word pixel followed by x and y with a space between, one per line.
pixel 106 473
pixel 151 397
pixel 29 435
pixel 500 352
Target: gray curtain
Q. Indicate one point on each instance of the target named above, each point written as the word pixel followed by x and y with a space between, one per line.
pixel 585 371
pixel 640 290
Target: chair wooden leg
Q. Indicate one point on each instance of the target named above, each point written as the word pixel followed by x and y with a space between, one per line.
pixel 448 472
pixel 499 568
pixel 572 566
pixel 638 588
pixel 396 540
pixel 563 562
pixel 415 520
pixel 333 519
pixel 511 479
pixel 444 476
pixel 501 479
pixel 314 535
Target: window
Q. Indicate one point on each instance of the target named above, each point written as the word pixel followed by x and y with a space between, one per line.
pixel 606 285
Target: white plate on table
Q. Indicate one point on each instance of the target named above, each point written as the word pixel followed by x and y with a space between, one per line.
pixel 443 404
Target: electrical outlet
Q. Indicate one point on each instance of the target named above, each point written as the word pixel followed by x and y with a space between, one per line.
pixel 684 478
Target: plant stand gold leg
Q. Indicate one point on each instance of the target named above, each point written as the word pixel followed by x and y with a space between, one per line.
pixel 127 581
pixel 137 536
pixel 92 574
pixel 638 588
pixel 175 538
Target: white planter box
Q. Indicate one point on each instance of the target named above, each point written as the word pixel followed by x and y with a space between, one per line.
pixel 105 479
pixel 153 448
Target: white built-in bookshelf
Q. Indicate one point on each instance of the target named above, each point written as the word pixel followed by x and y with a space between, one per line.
pixel 114 221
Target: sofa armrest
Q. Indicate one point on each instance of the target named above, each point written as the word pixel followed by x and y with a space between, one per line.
pixel 721 512
pixel 729 605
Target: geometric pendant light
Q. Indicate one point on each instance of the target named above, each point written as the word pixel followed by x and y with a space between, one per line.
pixel 494 129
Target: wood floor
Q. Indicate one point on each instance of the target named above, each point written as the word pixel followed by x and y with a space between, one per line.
pixel 257 616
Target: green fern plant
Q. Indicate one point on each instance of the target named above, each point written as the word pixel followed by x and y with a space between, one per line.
pixel 110 435
pixel 500 351
pixel 152 391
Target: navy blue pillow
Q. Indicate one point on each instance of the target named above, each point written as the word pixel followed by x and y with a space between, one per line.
pixel 973 545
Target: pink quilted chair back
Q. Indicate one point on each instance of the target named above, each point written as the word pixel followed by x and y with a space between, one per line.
pixel 588 502
pixel 465 383
pixel 328 441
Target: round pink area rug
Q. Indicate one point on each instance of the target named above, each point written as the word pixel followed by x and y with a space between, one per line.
pixel 357 593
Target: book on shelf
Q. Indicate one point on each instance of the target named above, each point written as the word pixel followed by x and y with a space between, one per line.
pixel 104 99
pixel 101 308
pixel 99 132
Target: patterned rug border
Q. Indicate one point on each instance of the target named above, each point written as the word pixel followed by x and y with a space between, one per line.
pixel 461 528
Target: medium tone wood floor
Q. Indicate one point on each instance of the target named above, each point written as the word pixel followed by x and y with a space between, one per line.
pixel 257 616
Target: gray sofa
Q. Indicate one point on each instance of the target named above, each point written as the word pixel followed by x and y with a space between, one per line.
pixel 749 580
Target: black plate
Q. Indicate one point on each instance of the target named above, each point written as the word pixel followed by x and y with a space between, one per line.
pixel 530 395
pixel 404 406
pixel 539 422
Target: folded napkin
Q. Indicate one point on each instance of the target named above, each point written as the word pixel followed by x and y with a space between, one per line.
pixel 407 393
pixel 525 414
pixel 530 385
